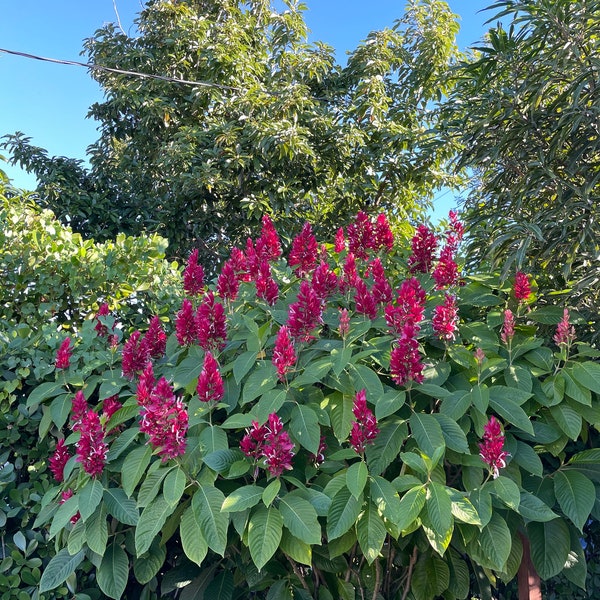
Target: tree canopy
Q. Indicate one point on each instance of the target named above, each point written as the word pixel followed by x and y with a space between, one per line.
pixel 274 126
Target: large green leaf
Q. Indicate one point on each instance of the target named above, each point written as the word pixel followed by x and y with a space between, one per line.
pixel 89 498
pixel 134 466
pixel 550 544
pixel 389 403
pixel 439 507
pixel 386 446
pixel 534 509
pixel 356 478
pixel 59 568
pixel 262 379
pixel 148 564
pixel 213 522
pixel 151 485
pixel 506 490
pixel 512 413
pixel 96 531
pixel 151 521
pixel 296 549
pixel 453 435
pixel 242 364
pixel 174 486
pixel 265 528
pixel 192 540
pixel 385 497
pixel 462 508
pixel 341 415
pixel 300 517
pixel 411 505
pixel 495 541
pixel 121 507
pixel 576 495
pixel 304 426
pixel 364 378
pixel 113 572
pixel 343 512
pixel 568 419
pixel 221 587
pixel 587 374
pixel 431 577
pixel 370 532
pixel 242 498
pixel 42 392
pixel 527 458
pixel 427 432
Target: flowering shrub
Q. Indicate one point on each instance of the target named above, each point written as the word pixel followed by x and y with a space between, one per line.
pixel 369 422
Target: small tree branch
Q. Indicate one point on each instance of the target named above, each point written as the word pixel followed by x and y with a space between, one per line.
pixel 411 564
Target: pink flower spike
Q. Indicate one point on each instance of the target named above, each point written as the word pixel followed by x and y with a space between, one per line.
pixel 381 290
pixel 270 239
pixel 344 327
pixel 565 332
pixel 303 255
pixel 409 306
pixel 193 276
pixel 156 338
pixel 340 241
pixel 349 274
pixel 100 328
pixel 508 327
pixel 91 447
pixel 446 271
pixel 360 236
pixel 284 356
pixel 211 324
pixel 210 383
pixel 491 448
pixel 324 281
pixel 384 238
pixel 304 315
pixel 522 287
pixel 135 355
pixel 228 284
pixel 79 408
pixel 185 324
pixel 58 460
pixel 445 319
pixel 405 360
pixel 266 287
pixel 252 442
pixel 63 355
pixel 365 302
pixel 145 385
pixel 424 245
pixel 364 428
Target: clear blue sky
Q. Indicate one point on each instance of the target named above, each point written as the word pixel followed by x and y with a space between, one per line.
pixel 49 102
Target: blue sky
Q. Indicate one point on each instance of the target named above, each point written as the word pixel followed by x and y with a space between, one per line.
pixel 49 102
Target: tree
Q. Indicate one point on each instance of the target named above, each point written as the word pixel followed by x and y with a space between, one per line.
pixel 526 109
pixel 278 127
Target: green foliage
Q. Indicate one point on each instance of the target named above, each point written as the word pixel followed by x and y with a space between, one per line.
pixel 526 107
pixel 412 514
pixel 281 129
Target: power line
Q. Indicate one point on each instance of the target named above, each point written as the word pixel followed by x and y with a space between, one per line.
pixel 94 67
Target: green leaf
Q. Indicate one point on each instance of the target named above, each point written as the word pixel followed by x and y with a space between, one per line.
pixel 567 419
pixel 356 478
pixel 460 580
pixel 59 568
pixel 430 577
pixel 513 413
pixel 480 398
pixel 385 497
pixel 300 518
pixel 60 409
pixel 313 373
pixel 507 491
pixel 134 467
pixel 587 374
pixel 242 498
pixel 192 540
pixel 221 587
pixel 207 503
pixel 96 531
pixel 341 357
pixel 296 549
pixel 550 544
pixel 238 421
pixel 533 508
pixel 370 532
pixel 270 402
pixel 410 507
pixel 364 378
pixel 500 394
pixel 482 501
pixel 389 403
pixel 341 416
pixel 386 446
pixel 148 565
pixel 152 519
pixel 89 498
pixel 76 537
pixel 261 380
pixel 186 371
pixel 462 508
pixel 174 486
pixel 586 462
pixel 212 439
pixel 343 512
pixel 527 458
pixel 576 567
pixel 42 392
pixel 304 426
pixel 121 507
pixel 113 572
pixel 151 486
pixel 125 438
pixel 453 435
pixel 270 492
pixel 222 460
pixel 242 364
pixel 63 515
pixel 576 495
pixel 480 335
pixel 439 507
pixel 265 528
pixel 518 378
pixel 495 541
pixel 427 432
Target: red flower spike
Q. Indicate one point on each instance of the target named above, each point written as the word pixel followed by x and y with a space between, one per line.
pixel 266 287
pixel 446 271
pixel 145 385
pixel 210 383
pixel 278 449
pixel 445 319
pixel 91 447
pixel 405 360
pixel 58 460
pixel 384 238
pixel 365 302
pixel 424 244
pixel 63 355
pixel 565 332
pixel 360 236
pixel 344 327
pixel 270 239
pixel 284 356
pixel 491 448
pixel 211 324
pixel 522 287
pixel 156 338
pixel 508 327
pixel 228 284
pixel 193 276
pixel 79 408
pixel 381 290
pixel 340 241
pixel 186 328
pixel 165 420
pixel 252 442
pixel 239 264
pixel 324 281
pixel 364 428
pixel 135 355
pixel 409 306
pixel 303 255
pixel 349 274
pixel 305 314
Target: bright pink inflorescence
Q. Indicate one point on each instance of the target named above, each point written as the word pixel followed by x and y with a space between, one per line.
pixel 340 241
pixel 193 276
pixel 271 443
pixel 324 281
pixel 303 255
pixel 405 359
pixel 270 239
pixel 408 308
pixel 424 245
pixel 211 324
pixel 364 428
pixel 304 315
pixel 508 327
pixel 266 286
pixel 186 328
pixel 165 420
pixel 210 386
pixel 491 449
pixel 381 290
pixel 522 287
pixel 79 408
pixel 228 284
pixel 445 319
pixel 446 271
pixel 344 327
pixel 364 300
pixel 284 356
pixel 91 447
pixel 63 355
pixel 156 338
pixel 100 328
pixel 135 355
pixel 58 460
pixel 565 332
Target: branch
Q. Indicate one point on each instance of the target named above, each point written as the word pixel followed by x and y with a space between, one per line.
pixel 411 564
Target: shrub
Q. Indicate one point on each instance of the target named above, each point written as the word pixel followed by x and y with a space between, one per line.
pixel 348 426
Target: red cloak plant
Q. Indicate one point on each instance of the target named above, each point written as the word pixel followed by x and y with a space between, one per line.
pixel 91 447
pixel 63 355
pixel 491 449
pixel 58 460
pixel 135 355
pixel 424 244
pixel 445 318
pixel 284 356
pixel 303 255
pixel 522 287
pixel 304 315
pixel 193 276
pixel 364 428
pixel 156 338
pixel 210 383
